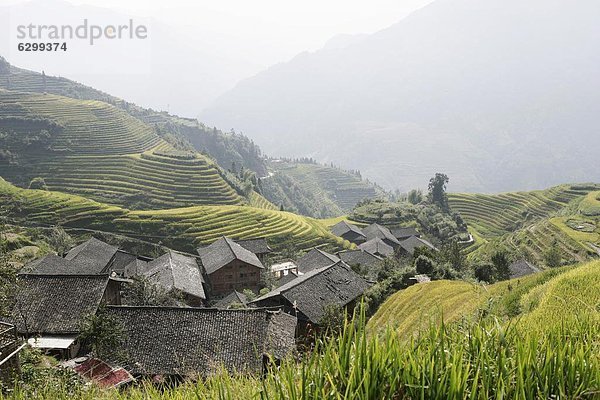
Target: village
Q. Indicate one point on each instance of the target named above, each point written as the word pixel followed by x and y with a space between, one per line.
pixel 181 315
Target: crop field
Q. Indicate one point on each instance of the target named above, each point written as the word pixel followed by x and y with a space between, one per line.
pixel 182 228
pixel 341 187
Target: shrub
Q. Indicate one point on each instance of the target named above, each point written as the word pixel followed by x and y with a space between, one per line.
pixel 38 183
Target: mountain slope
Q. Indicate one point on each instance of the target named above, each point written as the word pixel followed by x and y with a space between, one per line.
pixel 500 95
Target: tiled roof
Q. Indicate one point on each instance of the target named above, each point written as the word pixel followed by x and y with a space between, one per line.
pixel 522 268
pixel 344 227
pixel 359 257
pixel 56 304
pixel 92 256
pixel 198 341
pixel 401 232
pixel 120 261
pixel 286 278
pixel 413 242
pixel 312 292
pixel 255 245
pixel 377 246
pixel 232 298
pixel 377 231
pixel 315 259
pixel 173 270
pixel 222 252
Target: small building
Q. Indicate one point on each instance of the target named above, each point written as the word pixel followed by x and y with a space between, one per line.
pixel 233 300
pixel 122 260
pixel 283 268
pixel 349 232
pixel 377 247
pixel 409 245
pixel 522 268
pixel 359 258
pixel 258 246
pixel 309 295
pixel 404 232
pixel 176 274
pixel 197 342
pixel 51 308
pixel 377 231
pixel 229 267
pixel 315 259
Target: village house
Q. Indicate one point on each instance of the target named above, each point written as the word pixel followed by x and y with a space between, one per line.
pixel 522 268
pixel 233 300
pixel 408 246
pixel 283 268
pixel 309 295
pixel 197 342
pixel 349 232
pixel 50 309
pixel 178 274
pixel 402 233
pixel 377 247
pixel 258 246
pixel 377 231
pixel 359 259
pixel 315 259
pixel 230 267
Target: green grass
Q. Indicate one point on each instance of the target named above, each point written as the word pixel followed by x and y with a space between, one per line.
pixel 181 228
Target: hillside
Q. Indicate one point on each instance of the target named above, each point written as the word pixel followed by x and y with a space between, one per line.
pixel 316 190
pixel 225 148
pixel 181 228
pixel 537 301
pixel 501 95
pixel 529 224
pixel 94 149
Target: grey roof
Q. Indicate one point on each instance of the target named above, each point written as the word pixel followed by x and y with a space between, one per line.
pixel 335 284
pixel 255 245
pixel 56 304
pixel 92 256
pixel 522 268
pixel 121 260
pixel 404 232
pixel 50 265
pixel 315 259
pixel 414 242
pixel 343 227
pixel 377 246
pixel 359 257
pixel 135 268
pixel 286 278
pixel 377 231
pixel 232 298
pixel 182 341
pixel 173 270
pixel 222 252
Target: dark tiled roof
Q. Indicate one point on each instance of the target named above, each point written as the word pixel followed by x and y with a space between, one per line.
pixel 222 252
pixel 377 246
pixel 173 270
pixel 359 257
pixel 286 278
pixel 92 257
pixel 256 245
pixel 232 298
pixel 50 265
pixel 402 233
pixel 522 268
pixel 312 292
pixel 182 341
pixel 315 259
pixel 343 227
pixel 120 261
pixel 377 231
pixel 56 304
pixel 413 242
pixel 135 268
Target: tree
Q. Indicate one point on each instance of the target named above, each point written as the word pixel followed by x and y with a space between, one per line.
pixel 501 266
pixel 415 196
pixel 424 265
pixel 437 191
pixel 102 332
pixel 553 257
pixel 38 183
pixel 333 319
pixel 142 292
pixel 485 273
pixel 60 240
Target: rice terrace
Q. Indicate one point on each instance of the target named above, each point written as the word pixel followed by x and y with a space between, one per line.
pixel 321 200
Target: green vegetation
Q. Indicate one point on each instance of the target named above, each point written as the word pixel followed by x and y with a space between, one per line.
pixel 181 228
pixel 316 190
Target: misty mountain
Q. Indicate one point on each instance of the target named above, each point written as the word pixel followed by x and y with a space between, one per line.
pixel 499 94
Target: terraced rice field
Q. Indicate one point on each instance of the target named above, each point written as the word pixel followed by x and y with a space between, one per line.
pixel 182 228
pixel 495 215
pixel 105 154
pixel 342 188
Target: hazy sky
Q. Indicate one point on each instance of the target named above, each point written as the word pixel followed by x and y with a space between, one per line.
pixel 271 30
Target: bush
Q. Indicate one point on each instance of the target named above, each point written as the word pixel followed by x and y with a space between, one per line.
pixel 38 183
